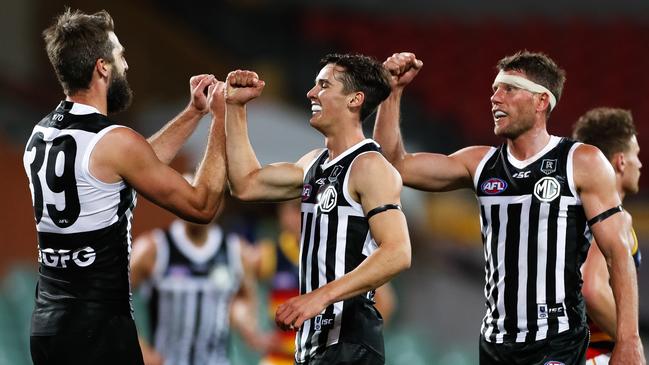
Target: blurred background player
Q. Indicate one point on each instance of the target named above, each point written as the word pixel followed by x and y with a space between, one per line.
pixel 198 284
pixel 614 133
pixel 278 265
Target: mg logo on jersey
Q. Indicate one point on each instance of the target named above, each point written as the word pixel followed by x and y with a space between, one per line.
pixel 547 189
pixel 327 199
pixel 82 257
pixel 493 186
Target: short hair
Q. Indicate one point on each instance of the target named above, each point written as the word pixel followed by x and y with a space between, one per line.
pixel 538 67
pixel 74 43
pixel 609 129
pixel 364 74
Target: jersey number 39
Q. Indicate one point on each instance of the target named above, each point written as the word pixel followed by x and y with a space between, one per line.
pixel 59 178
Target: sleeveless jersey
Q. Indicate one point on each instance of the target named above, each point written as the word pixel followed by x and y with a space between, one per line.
pixel 335 239
pixel 192 289
pixel 535 239
pixel 83 224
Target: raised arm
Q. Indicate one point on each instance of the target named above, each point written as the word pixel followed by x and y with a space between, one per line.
pixel 403 68
pixel 595 180
pixel 248 179
pixel 374 183
pixel 124 154
pixel 169 139
pixel 423 171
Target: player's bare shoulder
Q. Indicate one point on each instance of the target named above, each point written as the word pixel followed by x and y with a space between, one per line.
pixel 470 157
pixel 590 166
pixel 372 169
pixel 305 161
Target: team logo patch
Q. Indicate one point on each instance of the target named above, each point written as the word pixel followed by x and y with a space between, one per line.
pixel 547 189
pixel 548 166
pixel 493 186
pixel 306 192
pixel 554 363
pixel 327 199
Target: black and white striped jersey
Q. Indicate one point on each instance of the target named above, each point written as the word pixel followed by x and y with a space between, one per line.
pixel 335 239
pixel 192 290
pixel 535 239
pixel 83 224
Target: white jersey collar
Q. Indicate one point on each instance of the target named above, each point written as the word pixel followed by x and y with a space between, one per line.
pixel 553 142
pixel 83 109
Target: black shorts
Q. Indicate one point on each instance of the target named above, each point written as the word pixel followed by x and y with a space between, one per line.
pixel 112 340
pixel 345 354
pixel 568 348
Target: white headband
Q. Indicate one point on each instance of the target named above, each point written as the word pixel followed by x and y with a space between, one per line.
pixel 525 84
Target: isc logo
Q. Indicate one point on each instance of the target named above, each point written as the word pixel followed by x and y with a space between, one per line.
pixel 493 186
pixel 320 322
pixel 547 189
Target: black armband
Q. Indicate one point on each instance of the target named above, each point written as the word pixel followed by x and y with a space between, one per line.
pixel 604 215
pixel 382 209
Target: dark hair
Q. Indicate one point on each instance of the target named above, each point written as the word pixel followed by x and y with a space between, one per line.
pixel 364 74
pixel 538 67
pixel 74 42
pixel 608 129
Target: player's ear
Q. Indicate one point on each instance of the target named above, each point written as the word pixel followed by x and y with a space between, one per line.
pixel 103 67
pixel 618 162
pixel 356 99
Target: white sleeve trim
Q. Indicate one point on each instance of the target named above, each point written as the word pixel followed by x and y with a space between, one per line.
pixel 356 205
pixel 570 171
pixel 312 162
pixel 478 170
pixel 85 163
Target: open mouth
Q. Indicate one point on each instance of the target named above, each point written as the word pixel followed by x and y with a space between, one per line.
pixel 315 108
pixel 499 114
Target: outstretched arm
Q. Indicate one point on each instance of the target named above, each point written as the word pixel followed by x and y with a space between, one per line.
pixel 124 154
pixel 248 179
pixel 374 183
pixel 424 171
pixel 169 139
pixel 595 180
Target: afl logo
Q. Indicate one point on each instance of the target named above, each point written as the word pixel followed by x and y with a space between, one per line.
pixel 327 199
pixel 493 186
pixel 547 189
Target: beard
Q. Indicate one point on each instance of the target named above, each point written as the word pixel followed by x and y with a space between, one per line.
pixel 514 130
pixel 119 94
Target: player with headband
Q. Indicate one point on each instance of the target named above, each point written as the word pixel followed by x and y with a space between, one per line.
pixel 542 198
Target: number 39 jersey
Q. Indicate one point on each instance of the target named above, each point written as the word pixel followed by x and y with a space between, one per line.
pixel 83 224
